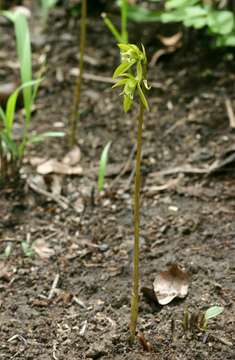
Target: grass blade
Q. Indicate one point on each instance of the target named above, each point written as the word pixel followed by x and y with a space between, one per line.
pixel 102 167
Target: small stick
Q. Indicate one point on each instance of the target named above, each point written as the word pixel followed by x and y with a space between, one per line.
pixel 61 201
pixel 108 80
pixel 125 167
pixel 54 286
pixel 230 113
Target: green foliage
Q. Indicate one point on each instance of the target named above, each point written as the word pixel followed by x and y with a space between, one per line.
pixel 132 79
pixel 23 48
pixel 122 35
pixel 47 5
pixel 192 13
pixel 27 249
pixel 102 166
pixel 12 151
pixel 199 320
pixel 213 312
pixel 7 118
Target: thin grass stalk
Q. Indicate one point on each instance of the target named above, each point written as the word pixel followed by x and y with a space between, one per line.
pixel 136 220
pixel 77 94
pixel 124 22
pixel 2 163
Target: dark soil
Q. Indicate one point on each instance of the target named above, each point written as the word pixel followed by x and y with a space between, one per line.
pixel 190 221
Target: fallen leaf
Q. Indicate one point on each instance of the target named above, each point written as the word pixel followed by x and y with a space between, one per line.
pixel 56 185
pixel 41 248
pixel 36 160
pixel 171 40
pixel 4 273
pixel 73 157
pixel 171 284
pixel 54 166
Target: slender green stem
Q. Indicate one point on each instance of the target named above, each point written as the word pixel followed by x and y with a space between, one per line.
pixel 112 28
pixel 77 94
pixel 124 22
pixel 136 219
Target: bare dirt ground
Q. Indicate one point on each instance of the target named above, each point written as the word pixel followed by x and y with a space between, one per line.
pixel 187 217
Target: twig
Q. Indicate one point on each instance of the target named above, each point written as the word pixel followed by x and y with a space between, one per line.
pixel 125 167
pixel 106 79
pixel 230 113
pixel 54 286
pixel 60 200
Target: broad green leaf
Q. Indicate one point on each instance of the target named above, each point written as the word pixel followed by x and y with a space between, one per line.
pixel 226 40
pixel 221 22
pixel 213 312
pixel 171 4
pixel 102 166
pixel 197 22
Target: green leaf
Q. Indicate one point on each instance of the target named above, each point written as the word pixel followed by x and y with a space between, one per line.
pixel 139 71
pixel 213 312
pixel 2 116
pixel 11 104
pixel 129 88
pixel 122 68
pixel 171 4
pixel 41 137
pixel 27 249
pixel 221 22
pixel 23 46
pixel 142 97
pixel 226 40
pixel 127 102
pixel 102 166
pixel 120 82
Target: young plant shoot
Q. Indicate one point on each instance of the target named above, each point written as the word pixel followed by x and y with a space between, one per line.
pixel 132 76
pixel 12 151
pixel 120 36
pixel 102 166
pixel 73 124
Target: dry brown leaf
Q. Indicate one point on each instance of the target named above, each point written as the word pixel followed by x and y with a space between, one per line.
pixel 4 272
pixel 171 40
pixel 171 284
pixel 56 185
pixel 73 157
pixel 36 160
pixel 41 248
pixel 54 166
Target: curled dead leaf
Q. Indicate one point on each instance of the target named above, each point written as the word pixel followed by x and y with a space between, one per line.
pixel 54 166
pixel 171 284
pixel 41 248
pixel 173 40
pixel 73 157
